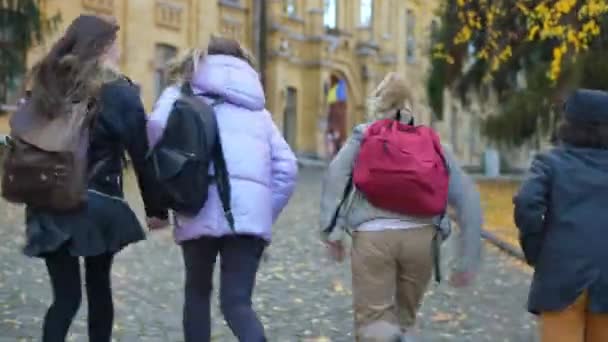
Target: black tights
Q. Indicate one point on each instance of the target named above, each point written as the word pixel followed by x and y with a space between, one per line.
pixel 64 271
pixel 240 257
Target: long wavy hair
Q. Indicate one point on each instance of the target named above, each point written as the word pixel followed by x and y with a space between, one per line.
pixel 72 71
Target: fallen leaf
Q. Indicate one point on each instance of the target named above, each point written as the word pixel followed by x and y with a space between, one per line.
pixel 442 317
pixel 338 287
pixel 317 339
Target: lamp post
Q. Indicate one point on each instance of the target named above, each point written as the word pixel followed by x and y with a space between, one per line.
pixel 7 50
pixel 260 36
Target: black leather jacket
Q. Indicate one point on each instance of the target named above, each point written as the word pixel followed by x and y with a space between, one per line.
pixel 120 127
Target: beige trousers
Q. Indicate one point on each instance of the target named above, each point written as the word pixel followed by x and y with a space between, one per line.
pixel 391 271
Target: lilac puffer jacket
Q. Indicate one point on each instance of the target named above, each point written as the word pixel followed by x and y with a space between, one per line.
pixel 262 167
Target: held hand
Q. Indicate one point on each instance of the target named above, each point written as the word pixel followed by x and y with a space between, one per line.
pixel 336 250
pixel 462 279
pixel 154 223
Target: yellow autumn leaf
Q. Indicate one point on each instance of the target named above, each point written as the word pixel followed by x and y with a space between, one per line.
pixel 338 286
pixel 533 31
pixel 523 8
pixel 506 53
pixel 564 6
pixel 442 317
pixel 463 35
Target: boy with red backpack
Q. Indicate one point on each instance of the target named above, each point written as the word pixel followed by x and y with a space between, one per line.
pixel 390 186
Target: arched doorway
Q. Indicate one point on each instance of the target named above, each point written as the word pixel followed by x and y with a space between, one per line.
pixel 336 94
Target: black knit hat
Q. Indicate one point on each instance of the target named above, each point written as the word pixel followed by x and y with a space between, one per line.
pixel 587 106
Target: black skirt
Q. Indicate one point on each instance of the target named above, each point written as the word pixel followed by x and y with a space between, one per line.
pixel 106 225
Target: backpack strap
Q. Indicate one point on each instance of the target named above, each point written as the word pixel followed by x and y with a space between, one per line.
pixel 186 89
pixel 398 117
pixel 437 255
pixel 223 181
pixel 334 219
pixel 439 237
pixel 222 177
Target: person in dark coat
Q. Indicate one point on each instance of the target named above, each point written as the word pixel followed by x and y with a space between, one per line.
pixel 81 65
pixel 561 214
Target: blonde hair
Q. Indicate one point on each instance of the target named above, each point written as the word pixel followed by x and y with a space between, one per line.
pixel 182 68
pixel 391 95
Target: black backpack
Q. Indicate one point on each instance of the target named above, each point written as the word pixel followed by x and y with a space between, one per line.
pixel 182 157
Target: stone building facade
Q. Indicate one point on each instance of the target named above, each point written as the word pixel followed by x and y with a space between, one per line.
pixel 303 43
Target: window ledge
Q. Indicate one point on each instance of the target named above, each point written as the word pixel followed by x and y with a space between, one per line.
pixel 336 32
pixel 232 4
pixel 295 17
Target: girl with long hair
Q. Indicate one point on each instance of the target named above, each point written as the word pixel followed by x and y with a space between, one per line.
pixel 82 66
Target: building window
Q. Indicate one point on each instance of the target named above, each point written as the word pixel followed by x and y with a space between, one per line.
pixel 290 119
pixel 10 90
pixel 291 7
pixel 169 15
pixel 366 13
pixel 434 34
pixel 434 38
pixel 410 43
pixel 163 55
pixel 330 14
pixel 230 3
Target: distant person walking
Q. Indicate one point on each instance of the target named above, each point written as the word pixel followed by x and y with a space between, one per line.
pixel 561 214
pixel 87 114
pixel 262 171
pixel 335 134
pixel 393 251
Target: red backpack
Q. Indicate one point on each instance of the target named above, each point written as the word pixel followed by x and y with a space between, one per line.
pixel 402 168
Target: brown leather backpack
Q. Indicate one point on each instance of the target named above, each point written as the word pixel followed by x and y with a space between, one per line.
pixel 45 164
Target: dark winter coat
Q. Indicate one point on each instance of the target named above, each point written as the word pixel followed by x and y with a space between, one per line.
pixel 107 224
pixel 561 212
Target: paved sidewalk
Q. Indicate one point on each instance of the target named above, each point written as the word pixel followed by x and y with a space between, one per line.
pixel 300 295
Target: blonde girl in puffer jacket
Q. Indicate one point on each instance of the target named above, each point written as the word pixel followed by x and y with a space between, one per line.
pixel 263 172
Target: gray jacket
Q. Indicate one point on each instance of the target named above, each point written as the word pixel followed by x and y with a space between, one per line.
pixel 463 197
